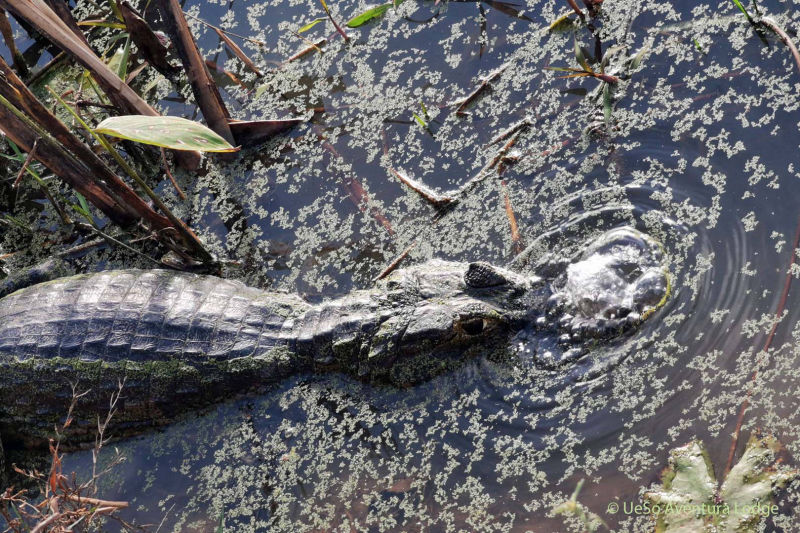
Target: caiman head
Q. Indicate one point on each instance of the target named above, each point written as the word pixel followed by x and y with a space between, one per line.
pixel 440 313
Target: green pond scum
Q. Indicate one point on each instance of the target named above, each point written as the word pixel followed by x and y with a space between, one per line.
pixel 695 145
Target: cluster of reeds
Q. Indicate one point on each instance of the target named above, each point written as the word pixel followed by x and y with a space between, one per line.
pixel 95 168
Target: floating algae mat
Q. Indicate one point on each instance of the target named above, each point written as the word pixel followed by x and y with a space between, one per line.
pixel 694 142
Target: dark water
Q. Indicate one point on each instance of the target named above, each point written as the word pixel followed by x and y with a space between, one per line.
pixel 703 156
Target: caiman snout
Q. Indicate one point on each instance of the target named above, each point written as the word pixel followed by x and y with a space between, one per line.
pixel 615 283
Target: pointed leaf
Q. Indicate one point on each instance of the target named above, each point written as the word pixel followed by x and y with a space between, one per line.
pixel 637 59
pixel 369 14
pixel 752 482
pixel 310 25
pixel 565 69
pixel 581 58
pixel 562 23
pixel 687 481
pixel 743 10
pixel 607 103
pixel 168 132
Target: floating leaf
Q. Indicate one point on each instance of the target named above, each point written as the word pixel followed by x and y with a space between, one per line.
pixel 690 502
pixel 369 14
pixel 168 132
pixel 310 25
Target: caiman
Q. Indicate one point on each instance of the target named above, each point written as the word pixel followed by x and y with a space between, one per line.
pixel 184 340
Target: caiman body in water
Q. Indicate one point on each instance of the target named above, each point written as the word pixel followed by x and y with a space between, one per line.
pixel 184 340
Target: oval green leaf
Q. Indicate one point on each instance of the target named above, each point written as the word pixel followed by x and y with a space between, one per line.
pixel 174 133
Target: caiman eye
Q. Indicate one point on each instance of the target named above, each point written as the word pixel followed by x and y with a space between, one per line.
pixel 472 326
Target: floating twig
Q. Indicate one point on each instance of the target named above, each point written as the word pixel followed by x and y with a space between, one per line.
pixel 516 241
pixel 27 162
pixel 433 197
pixel 238 52
pixel 467 100
pixel 335 24
pixel 394 264
pixel 169 174
pixel 217 28
pixel 305 51
pixel 576 9
pixel 511 130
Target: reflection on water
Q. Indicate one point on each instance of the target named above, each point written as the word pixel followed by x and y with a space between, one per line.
pixel 703 157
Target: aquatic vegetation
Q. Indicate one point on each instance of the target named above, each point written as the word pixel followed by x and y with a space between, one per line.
pixel 703 156
pixel 573 508
pixel 691 500
pixel 168 132
pixel 371 13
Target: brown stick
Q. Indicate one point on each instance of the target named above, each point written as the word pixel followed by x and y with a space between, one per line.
pixel 516 241
pixel 771 24
pixel 148 43
pixel 307 50
pixel 204 89
pixel 778 312
pixel 26 163
pixel 170 176
pixel 394 264
pixel 335 25
pixel 8 37
pixel 238 52
pixel 433 197
pixel 95 502
pixel 575 8
pixel 493 75
pixel 61 9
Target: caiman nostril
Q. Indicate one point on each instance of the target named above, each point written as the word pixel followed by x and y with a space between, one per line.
pixel 473 326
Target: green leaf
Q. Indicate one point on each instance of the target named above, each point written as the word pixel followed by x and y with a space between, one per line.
pixel 420 121
pixel 607 102
pixel 743 10
pixel 310 25
pixel 369 14
pixel 581 58
pixel 688 482
pixel 562 23
pixel 691 503
pixel 83 208
pixel 123 64
pixel 168 132
pixel 102 24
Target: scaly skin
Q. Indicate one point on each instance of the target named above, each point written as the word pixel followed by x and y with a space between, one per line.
pixel 184 340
